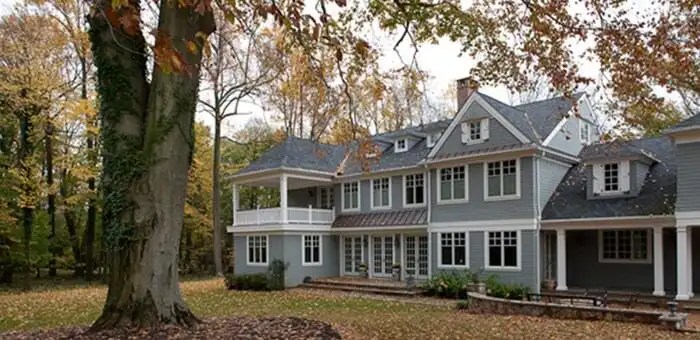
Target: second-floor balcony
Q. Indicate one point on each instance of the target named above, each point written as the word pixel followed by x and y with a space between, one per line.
pixel 289 215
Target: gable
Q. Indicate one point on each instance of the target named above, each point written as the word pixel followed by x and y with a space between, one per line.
pixel 499 135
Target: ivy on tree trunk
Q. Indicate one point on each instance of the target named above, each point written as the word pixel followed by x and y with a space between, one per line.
pixel 147 138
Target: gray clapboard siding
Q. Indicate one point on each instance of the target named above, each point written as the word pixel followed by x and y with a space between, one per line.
pixel 527 275
pixel 550 175
pixel 240 249
pixel 477 208
pixel 688 177
pixel 296 272
pixel 568 138
pixel 498 134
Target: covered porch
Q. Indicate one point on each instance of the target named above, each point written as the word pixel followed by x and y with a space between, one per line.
pixel 293 198
pixel 649 256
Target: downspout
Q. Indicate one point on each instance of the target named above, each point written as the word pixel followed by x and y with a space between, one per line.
pixel 538 221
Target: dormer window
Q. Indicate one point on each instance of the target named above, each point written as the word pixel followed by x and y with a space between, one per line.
pixel 401 145
pixel 432 138
pixel 474 132
pixel 585 132
pixel 611 178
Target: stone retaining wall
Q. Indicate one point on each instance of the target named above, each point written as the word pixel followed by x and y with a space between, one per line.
pixel 479 303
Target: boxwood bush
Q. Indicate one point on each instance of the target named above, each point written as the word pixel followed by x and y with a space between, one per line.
pixel 506 291
pixel 449 284
pixel 247 282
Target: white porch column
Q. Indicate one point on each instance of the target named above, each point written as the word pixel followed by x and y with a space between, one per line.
pixel 283 198
pixel 401 252
pixel 659 261
pixel 234 197
pixel 561 260
pixel 682 262
pixel 690 262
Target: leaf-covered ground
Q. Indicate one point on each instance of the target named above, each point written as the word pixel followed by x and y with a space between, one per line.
pixel 354 317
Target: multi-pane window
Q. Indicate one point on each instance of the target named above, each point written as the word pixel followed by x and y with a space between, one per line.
pixel 611 177
pixel 475 131
pixel 401 145
pixel 453 250
pixel 502 178
pixel 625 245
pixel 585 132
pixel 502 249
pixel 381 193
pixel 312 249
pixel 325 198
pixel 351 196
pixel 414 189
pixel 257 249
pixel 453 183
pixel 433 138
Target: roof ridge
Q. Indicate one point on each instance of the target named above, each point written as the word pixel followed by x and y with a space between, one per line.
pixel 579 93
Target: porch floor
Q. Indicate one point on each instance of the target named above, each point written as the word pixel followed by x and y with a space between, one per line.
pixel 624 298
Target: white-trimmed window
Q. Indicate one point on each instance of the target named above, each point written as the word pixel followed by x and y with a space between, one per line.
pixel 585 132
pixel 453 250
pixel 312 252
pixel 432 138
pixel 453 184
pixel 325 198
pixel 624 245
pixel 413 190
pixel 257 250
pixel 502 179
pixel 381 193
pixel 476 131
pixel 351 196
pixel 611 178
pixel 503 250
pixel 401 145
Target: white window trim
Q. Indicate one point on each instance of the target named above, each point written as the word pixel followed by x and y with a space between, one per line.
pixel 342 197
pixel 582 124
pixel 518 252
pixel 371 196
pixel 396 145
pixel 486 181
pixel 439 250
pixel 648 260
pixel 623 178
pixel 432 139
pixel 466 186
pixel 483 135
pixel 267 251
pixel 425 194
pixel 330 190
pixel 320 251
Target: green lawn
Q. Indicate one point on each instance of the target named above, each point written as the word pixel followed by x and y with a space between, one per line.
pixel 355 317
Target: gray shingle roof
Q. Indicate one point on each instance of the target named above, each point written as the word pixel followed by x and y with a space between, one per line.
pixel 383 219
pixel 693 121
pixel 301 154
pixel 546 114
pixel 657 196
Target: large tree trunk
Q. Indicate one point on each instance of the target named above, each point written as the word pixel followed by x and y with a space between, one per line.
pixel 216 190
pixel 51 199
pixel 147 136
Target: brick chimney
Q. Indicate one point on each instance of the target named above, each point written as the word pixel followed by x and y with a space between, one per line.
pixel 465 87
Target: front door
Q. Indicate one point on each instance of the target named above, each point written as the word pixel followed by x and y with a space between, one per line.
pixel 382 255
pixel 416 263
pixel 352 254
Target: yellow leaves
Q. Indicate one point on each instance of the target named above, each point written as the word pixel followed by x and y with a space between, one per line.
pixel 117 4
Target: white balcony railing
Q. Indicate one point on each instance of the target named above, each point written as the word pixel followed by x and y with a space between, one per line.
pixel 275 215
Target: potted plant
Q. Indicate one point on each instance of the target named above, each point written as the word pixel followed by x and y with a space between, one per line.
pixel 549 284
pixel 396 272
pixel 410 281
pixel 363 270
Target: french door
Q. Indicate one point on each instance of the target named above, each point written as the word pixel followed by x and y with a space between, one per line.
pixel 352 254
pixel 382 255
pixel 416 262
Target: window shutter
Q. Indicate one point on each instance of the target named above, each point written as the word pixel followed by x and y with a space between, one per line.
pixel 625 176
pixel 465 133
pixel 485 128
pixel 598 178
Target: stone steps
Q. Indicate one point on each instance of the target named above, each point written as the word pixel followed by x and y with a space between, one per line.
pixel 369 287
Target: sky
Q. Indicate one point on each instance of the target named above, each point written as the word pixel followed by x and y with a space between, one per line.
pixel 442 62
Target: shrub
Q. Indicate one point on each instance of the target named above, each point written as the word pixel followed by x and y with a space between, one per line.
pixel 276 274
pixel 256 282
pixel 462 305
pixel 450 284
pixel 506 291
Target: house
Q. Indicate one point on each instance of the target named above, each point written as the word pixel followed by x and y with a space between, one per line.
pixel 522 192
